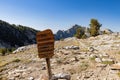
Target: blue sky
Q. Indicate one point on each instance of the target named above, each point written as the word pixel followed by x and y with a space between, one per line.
pixel 61 14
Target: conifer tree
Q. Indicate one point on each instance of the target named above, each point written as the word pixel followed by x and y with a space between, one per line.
pixel 94 27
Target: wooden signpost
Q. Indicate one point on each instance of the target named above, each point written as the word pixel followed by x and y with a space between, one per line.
pixel 45 45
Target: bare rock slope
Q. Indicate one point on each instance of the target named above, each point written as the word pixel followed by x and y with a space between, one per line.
pixel 95 58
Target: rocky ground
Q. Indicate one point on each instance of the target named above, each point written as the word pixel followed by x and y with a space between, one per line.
pixel 95 58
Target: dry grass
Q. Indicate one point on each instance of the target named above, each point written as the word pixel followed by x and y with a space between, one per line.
pixel 3 63
pixel 92 58
pixel 23 56
pixel 60 44
pixel 84 50
pixel 59 61
pixel 16 60
pixel 108 62
pixel 78 68
pixel 3 78
pixel 2 69
pixel 119 52
pixel 84 66
pixel 118 74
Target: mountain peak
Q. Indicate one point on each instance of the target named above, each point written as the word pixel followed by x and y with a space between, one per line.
pixel 61 34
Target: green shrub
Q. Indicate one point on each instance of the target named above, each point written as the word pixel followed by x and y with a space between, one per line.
pixel 16 60
pixel 108 62
pixel 84 36
pixel 94 27
pixel 59 61
pixel 92 58
pixel 79 33
pixel 118 74
pixel 119 52
pixel 10 50
pixel 84 66
pixel 3 51
pixel 62 39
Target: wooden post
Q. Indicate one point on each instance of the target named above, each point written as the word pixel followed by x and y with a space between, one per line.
pixel 49 68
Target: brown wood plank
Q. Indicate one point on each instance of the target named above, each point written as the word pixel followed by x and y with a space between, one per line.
pixel 45 42
pixel 45 36
pixel 45 46
pixel 45 39
pixel 43 33
pixel 45 50
pixel 48 43
pixel 45 55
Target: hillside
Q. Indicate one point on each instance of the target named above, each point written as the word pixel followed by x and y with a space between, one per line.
pixel 13 36
pixel 97 58
pixel 16 35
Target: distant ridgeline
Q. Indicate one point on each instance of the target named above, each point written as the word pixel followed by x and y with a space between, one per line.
pixel 78 32
pixel 68 33
pixel 13 36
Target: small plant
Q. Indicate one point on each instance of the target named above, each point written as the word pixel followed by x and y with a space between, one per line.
pixel 92 58
pixel 9 50
pixel 108 62
pixel 3 64
pixel 59 61
pixel 77 69
pixel 84 50
pixel 118 74
pixel 62 39
pixel 84 66
pixel 72 70
pixel 2 69
pixel 119 52
pixel 16 60
pixel 3 51
pixel 3 78
pixel 82 58
pixel 79 33
pixel 103 43
pixel 27 61
pixel 84 36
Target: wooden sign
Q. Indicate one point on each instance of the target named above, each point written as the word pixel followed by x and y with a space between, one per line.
pixel 45 44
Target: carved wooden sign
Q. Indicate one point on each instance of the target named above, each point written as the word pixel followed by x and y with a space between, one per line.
pixel 45 43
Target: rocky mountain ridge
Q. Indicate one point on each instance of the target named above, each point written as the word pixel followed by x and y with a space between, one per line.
pixel 12 35
pixel 61 34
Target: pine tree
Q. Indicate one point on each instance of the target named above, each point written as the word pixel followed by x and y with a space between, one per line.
pixel 94 27
pixel 79 33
